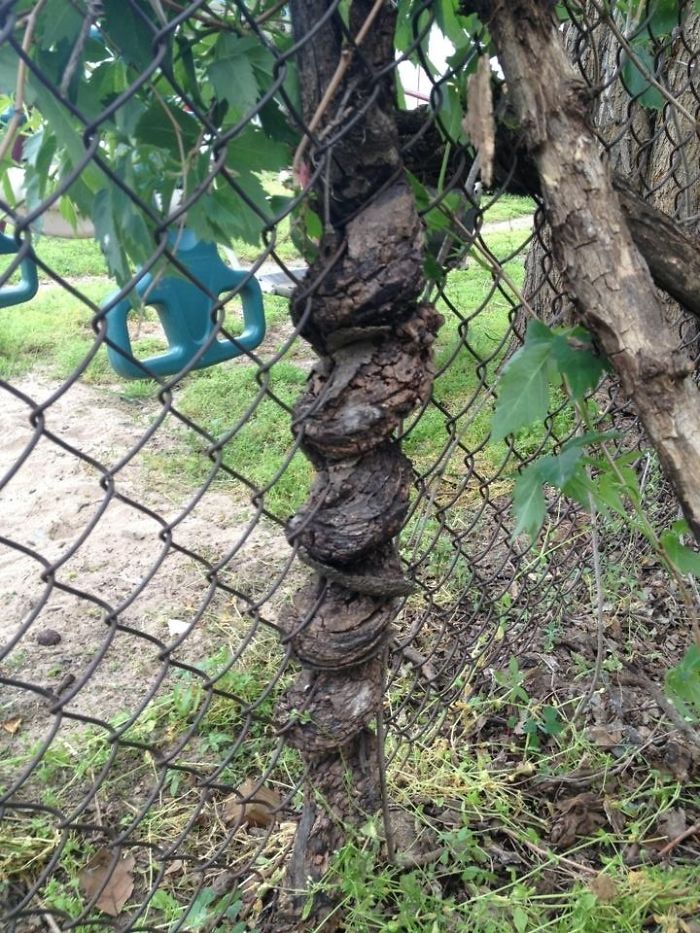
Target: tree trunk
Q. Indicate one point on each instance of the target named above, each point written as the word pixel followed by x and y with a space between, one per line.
pixel 655 152
pixel 358 306
pixel 609 281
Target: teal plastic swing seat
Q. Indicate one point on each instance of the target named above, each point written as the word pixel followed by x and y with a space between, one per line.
pixel 27 287
pixel 186 315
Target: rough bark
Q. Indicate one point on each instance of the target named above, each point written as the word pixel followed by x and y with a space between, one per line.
pixel 359 307
pixel 609 281
pixel 654 153
pixel 670 248
pixel 672 254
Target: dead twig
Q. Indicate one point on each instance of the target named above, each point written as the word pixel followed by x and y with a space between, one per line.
pixel 547 853
pixel 48 918
pixel 600 631
pixel 343 65
pixel 15 121
pixel 690 831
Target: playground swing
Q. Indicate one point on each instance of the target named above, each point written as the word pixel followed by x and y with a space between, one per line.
pixel 186 312
pixel 185 309
pixel 27 287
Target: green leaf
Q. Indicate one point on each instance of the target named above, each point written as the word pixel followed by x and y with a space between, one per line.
pixel 108 237
pixel 9 63
pixel 131 33
pixel 664 17
pixel 450 113
pixel 232 75
pixel 577 362
pixel 528 502
pixel 185 71
pixel 199 913
pixel 551 722
pixel 254 151
pixel 221 214
pixel 524 384
pixel 684 559
pixel 558 469
pixel 683 684
pixel 167 131
pixel 403 37
pixel 60 123
pixel 637 83
pixel 60 21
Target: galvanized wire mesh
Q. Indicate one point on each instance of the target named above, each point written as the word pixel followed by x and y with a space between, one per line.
pixel 144 562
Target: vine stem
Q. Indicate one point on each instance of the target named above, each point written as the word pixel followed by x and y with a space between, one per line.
pixel 381 762
pixel 333 85
pixel 16 118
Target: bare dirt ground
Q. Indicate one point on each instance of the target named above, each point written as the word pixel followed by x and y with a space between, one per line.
pixel 76 547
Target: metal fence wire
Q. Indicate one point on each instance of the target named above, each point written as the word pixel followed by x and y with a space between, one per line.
pixel 232 546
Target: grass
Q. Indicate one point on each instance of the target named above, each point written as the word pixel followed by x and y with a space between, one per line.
pixel 506 207
pixel 72 259
pixel 197 723
pixel 260 449
pixel 53 333
pixel 476 818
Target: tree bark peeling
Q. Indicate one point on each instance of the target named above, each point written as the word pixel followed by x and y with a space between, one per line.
pixel 354 506
pixel 337 628
pixel 608 279
pixel 358 396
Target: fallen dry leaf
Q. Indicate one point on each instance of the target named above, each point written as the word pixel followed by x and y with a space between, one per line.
pixel 578 816
pixel 12 725
pixel 604 889
pixel 673 824
pixel 260 810
pixel 114 881
pixel 478 122
pixel 604 736
pixel 615 816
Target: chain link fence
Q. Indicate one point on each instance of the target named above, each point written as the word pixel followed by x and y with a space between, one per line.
pixel 159 598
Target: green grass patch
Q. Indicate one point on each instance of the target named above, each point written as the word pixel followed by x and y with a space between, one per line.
pixel 71 259
pixel 255 430
pixel 53 332
pixel 472 812
pixel 469 349
pixel 199 727
pixel 506 207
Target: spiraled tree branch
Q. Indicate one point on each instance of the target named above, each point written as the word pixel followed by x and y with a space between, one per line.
pixel 359 307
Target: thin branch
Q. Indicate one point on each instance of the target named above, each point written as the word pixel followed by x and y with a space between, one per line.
pixel 636 678
pixel 345 59
pixel 690 831
pixel 547 853
pixel 16 119
pixel 268 14
pixel 381 763
pixel 77 50
pixel 586 699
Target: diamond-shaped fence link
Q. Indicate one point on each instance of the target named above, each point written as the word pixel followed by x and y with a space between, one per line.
pixel 164 188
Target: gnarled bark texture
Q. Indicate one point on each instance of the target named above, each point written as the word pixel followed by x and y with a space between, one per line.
pixel 610 284
pixel 654 156
pixel 359 308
